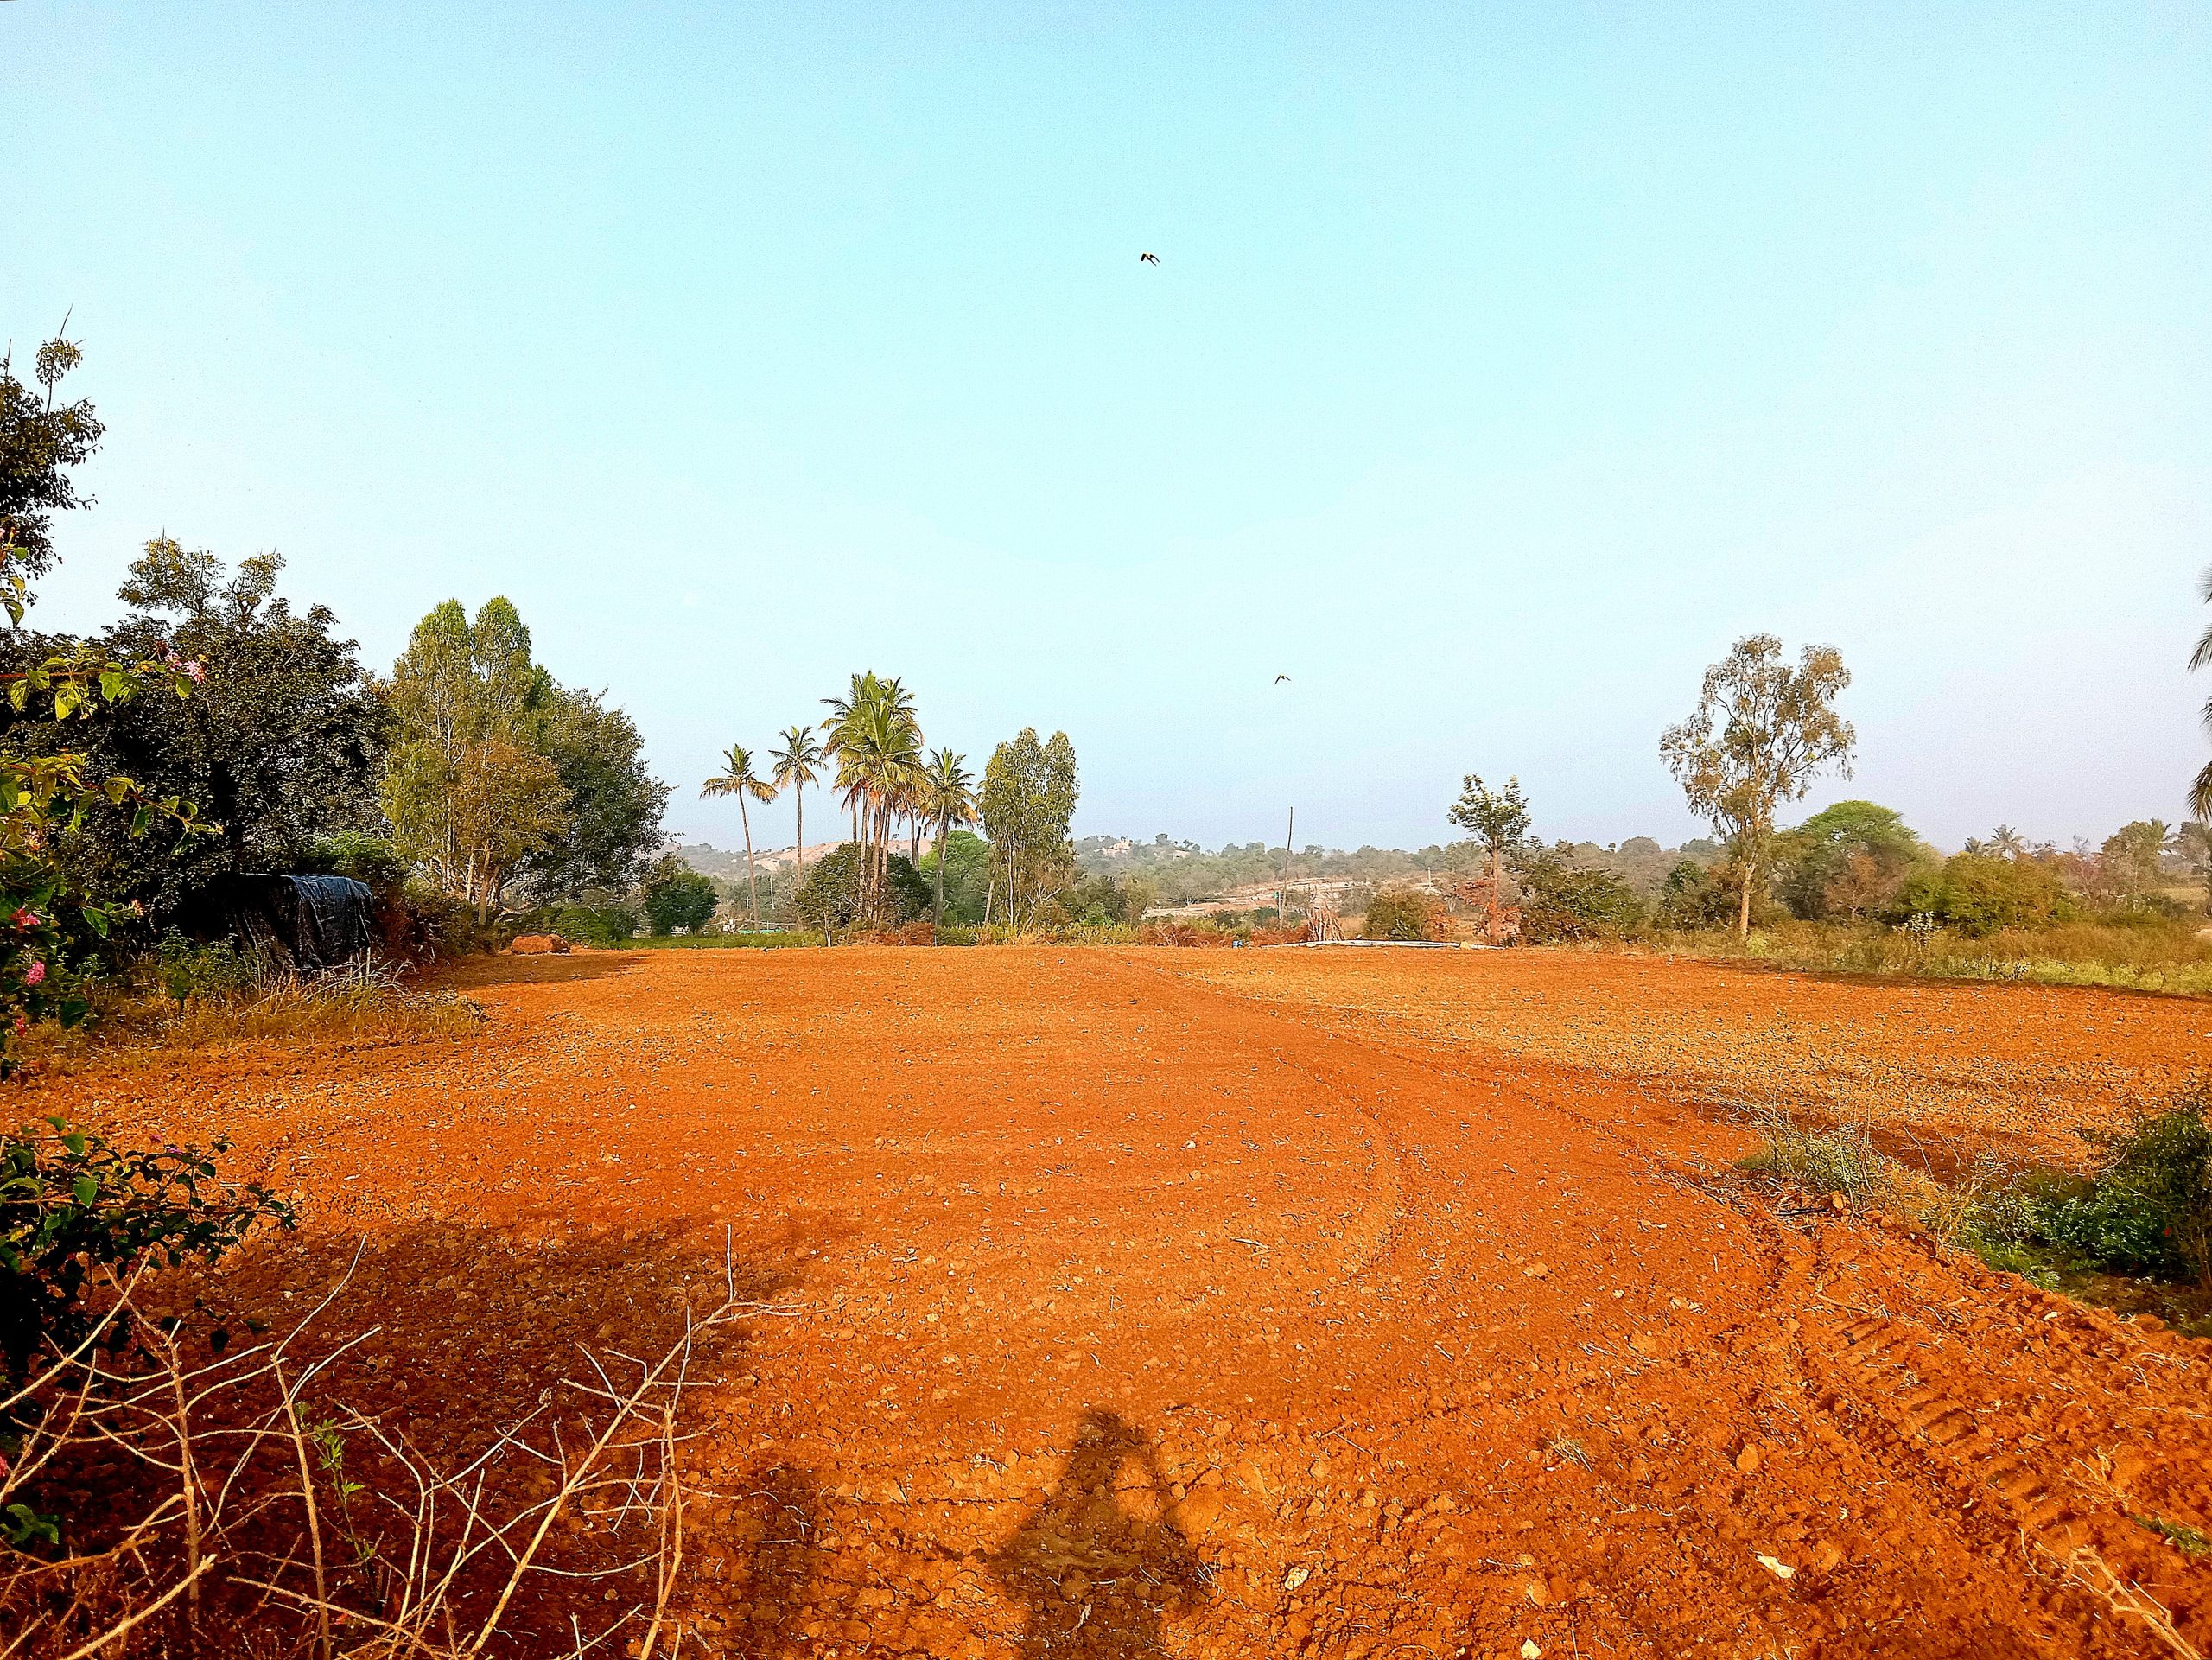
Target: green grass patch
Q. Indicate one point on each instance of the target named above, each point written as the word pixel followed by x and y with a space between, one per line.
pixel 2183 1537
pixel 2160 954
pixel 759 942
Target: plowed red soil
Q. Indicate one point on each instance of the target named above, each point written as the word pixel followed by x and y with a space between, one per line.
pixel 1365 1304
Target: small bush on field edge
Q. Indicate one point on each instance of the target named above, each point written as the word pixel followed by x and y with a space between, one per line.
pixel 2144 1210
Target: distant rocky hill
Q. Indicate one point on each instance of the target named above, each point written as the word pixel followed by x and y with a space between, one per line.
pixel 729 863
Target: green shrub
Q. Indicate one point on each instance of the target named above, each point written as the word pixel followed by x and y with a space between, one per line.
pixel 187 970
pixel 425 922
pixel 831 896
pixel 369 860
pixel 1560 901
pixel 1405 915
pixel 2148 1209
pixel 1980 895
pixel 1106 901
pixel 601 922
pixel 677 896
pixel 1694 897
pixel 72 1206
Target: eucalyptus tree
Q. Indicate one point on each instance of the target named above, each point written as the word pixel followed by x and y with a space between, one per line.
pixel 948 795
pixel 469 793
pixel 1760 732
pixel 738 779
pixel 1028 800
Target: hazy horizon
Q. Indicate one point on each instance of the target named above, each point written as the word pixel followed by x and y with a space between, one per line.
pixel 1500 370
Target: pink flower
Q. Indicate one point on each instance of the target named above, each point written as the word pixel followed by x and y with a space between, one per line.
pixel 36 974
pixel 196 670
pixel 24 917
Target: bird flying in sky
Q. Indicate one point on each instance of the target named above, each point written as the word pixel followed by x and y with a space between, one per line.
pixel 1280 678
pixel 1149 259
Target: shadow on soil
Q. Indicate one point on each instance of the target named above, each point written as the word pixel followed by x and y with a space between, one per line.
pixel 1097 1565
pixel 443 1335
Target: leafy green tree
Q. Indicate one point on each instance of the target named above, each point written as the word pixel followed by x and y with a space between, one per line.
pixel 1028 802
pixel 1760 732
pixel 40 441
pixel 1847 860
pixel 282 744
pixel 959 868
pixel 835 893
pixel 614 804
pixel 797 764
pixel 2132 858
pixel 469 796
pixel 507 805
pixel 1498 819
pixel 47 794
pixel 738 779
pixel 677 896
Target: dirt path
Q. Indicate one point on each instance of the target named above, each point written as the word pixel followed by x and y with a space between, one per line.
pixel 1138 1313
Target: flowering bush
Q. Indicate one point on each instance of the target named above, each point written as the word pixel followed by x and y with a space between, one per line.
pixel 48 921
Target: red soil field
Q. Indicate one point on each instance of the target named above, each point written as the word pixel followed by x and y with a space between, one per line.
pixel 1370 1304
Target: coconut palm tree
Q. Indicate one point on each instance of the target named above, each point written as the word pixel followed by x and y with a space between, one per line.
pixel 876 741
pixel 2200 793
pixel 797 765
pixel 738 779
pixel 948 793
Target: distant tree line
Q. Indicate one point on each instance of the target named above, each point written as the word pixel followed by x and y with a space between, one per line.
pixel 871 753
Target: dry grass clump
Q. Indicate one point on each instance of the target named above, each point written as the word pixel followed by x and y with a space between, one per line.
pixel 218 999
pixel 368 1001
pixel 1845 1159
pixel 218 1499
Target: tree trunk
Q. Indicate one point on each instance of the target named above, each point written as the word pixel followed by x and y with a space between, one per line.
pixel 936 916
pixel 798 849
pixel 1744 904
pixel 1496 892
pixel 751 887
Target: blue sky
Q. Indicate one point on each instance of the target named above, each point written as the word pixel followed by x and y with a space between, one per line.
pixel 1503 364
